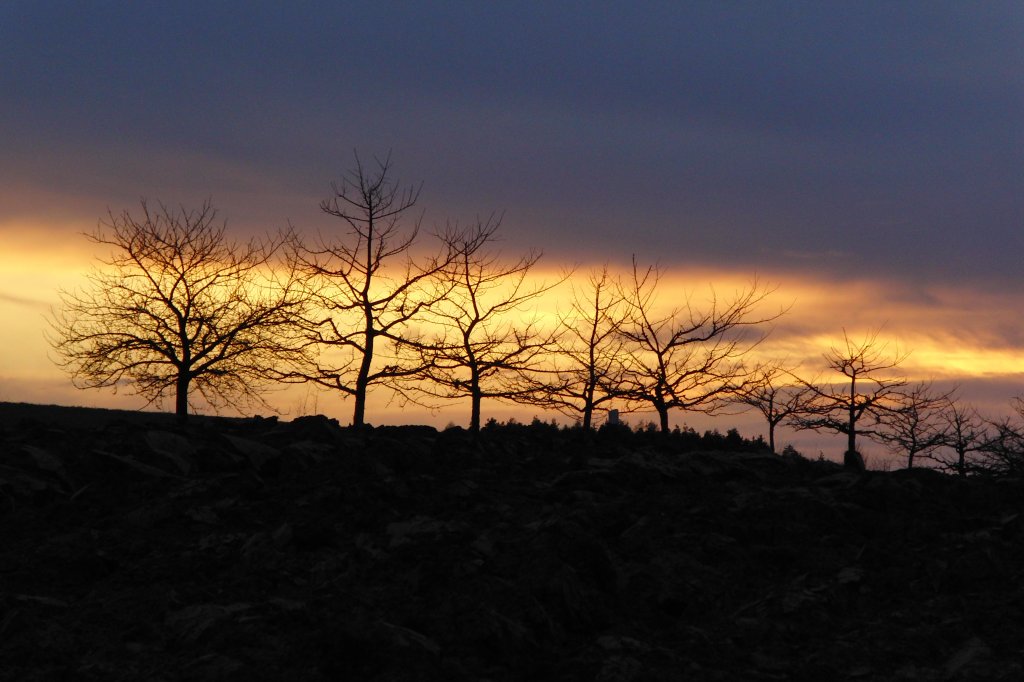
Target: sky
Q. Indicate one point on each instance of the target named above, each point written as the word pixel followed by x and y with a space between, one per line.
pixel 867 158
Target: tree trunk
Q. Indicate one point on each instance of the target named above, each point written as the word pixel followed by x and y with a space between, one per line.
pixel 853 459
pixel 588 404
pixel 359 413
pixel 474 415
pixel 363 379
pixel 475 397
pixel 663 417
pixel 181 396
pixel 184 377
pixel 771 437
pixel 851 430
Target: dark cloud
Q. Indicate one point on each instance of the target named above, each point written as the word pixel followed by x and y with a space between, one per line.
pixel 883 135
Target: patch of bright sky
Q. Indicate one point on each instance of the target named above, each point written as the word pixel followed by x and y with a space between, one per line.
pixel 33 269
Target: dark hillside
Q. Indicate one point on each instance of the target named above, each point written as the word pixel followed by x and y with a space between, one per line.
pixel 257 549
pixel 13 414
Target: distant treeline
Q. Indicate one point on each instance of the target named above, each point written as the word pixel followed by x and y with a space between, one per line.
pixel 642 434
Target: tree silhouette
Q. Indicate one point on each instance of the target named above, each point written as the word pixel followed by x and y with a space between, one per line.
pixel 1002 452
pixel 868 391
pixel 688 358
pixel 777 399
pixel 966 434
pixel 175 308
pixel 368 285
pixel 482 350
pixel 590 355
pixel 914 424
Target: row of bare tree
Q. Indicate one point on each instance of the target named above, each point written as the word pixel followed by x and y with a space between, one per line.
pixel 179 309
pixel 914 420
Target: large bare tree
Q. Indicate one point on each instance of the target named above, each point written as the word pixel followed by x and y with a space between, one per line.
pixel 855 404
pixel 590 355
pixel 688 357
pixel 370 285
pixel 177 308
pixel 488 345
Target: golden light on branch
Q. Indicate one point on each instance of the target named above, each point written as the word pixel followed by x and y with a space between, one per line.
pixel 176 308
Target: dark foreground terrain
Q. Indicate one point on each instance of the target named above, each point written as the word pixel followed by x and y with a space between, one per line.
pixel 236 550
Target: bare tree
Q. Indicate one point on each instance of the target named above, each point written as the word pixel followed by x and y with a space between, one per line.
pixel 175 308
pixel 777 398
pixel 966 434
pixel 1003 451
pixel 369 288
pixel 868 391
pixel 688 358
pixel 591 353
pixel 482 350
pixel 914 424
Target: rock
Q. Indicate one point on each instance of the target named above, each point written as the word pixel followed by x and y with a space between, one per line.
pixel 191 623
pixel 133 464
pixel 44 461
pixel 264 459
pixel 971 652
pixel 619 669
pixel 306 453
pixel 213 667
pixel 408 639
pixel 853 461
pixel 616 643
pixel 176 448
pixel 316 428
pixel 401 532
pixel 22 484
pixel 37 599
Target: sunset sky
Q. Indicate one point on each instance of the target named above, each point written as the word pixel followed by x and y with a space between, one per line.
pixel 867 158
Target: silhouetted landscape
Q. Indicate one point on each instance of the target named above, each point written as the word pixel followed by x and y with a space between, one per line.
pixel 156 546
pixel 235 549
pixel 180 312
pixel 720 302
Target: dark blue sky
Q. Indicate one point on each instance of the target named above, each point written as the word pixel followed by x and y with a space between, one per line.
pixel 839 139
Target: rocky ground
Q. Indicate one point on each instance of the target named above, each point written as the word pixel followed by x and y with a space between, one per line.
pixel 133 549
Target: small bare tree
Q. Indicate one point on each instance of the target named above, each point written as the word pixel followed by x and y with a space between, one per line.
pixel 855 405
pixel 1003 451
pixel 369 288
pixel 914 424
pixel 175 308
pixel 591 355
pixel 966 434
pixel 482 350
pixel 688 358
pixel 774 393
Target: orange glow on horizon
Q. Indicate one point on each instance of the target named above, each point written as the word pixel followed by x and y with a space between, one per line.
pixel 950 333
